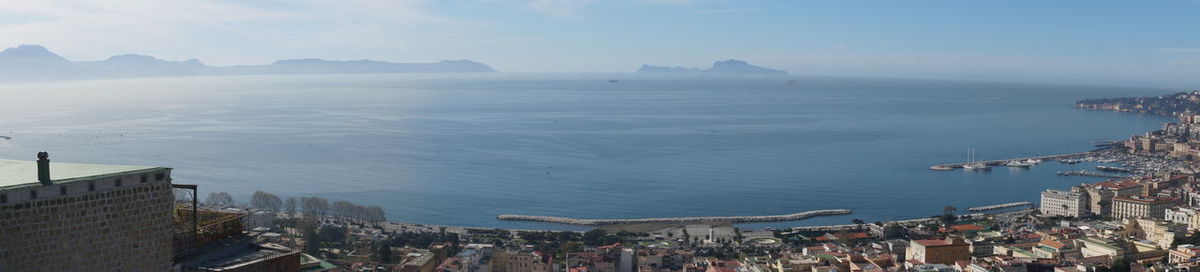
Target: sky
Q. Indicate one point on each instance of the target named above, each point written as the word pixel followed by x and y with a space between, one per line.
pixel 1108 42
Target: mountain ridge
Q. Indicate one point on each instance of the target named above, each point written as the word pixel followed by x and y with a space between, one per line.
pixel 31 61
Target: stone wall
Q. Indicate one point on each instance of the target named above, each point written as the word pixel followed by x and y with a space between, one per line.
pixel 119 228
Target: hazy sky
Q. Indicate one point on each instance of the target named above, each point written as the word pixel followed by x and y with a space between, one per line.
pixel 1111 41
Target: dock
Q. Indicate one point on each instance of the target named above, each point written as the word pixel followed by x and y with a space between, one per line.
pixel 952 166
pixel 731 219
pixel 1001 206
pixel 1090 174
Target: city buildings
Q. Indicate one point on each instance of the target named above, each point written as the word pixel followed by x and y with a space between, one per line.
pixel 84 217
pixel 1100 194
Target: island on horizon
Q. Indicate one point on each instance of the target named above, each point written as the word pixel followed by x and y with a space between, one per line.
pixel 730 66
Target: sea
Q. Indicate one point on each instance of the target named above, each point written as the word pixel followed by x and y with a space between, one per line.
pixel 459 149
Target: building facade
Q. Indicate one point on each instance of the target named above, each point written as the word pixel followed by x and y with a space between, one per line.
pixel 1100 194
pixel 83 217
pixel 945 251
pixel 1063 203
pixel 1141 206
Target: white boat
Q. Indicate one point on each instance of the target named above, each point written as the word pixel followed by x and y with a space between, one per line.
pixel 978 166
pixel 974 165
pixel 1021 164
pixel 1033 161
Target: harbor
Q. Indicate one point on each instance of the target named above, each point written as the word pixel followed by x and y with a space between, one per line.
pixel 731 219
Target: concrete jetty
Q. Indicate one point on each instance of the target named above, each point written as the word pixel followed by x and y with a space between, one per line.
pixel 1001 206
pixel 1090 174
pixel 731 219
pixel 952 166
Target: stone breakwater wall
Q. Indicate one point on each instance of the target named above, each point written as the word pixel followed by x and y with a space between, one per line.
pixel 1001 206
pixel 732 219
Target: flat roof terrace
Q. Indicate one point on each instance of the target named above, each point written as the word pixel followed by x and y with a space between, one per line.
pixel 16 174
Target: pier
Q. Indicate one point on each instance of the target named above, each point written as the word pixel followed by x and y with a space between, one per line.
pixel 952 166
pixel 1001 206
pixel 1090 174
pixel 731 219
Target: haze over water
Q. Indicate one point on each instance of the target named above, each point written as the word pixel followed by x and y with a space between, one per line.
pixel 461 149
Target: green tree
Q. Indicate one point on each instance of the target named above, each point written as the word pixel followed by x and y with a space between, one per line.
pixel 949 210
pixel 385 253
pixel 312 243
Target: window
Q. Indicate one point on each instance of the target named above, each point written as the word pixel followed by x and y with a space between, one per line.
pixel 62 190
pixel 3 198
pixel 33 194
pixel 143 178
pixel 117 183
pixel 91 187
pixel 160 176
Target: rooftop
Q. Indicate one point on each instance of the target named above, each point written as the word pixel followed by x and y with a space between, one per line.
pixel 24 173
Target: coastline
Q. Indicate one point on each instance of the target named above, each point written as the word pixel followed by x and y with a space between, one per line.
pixel 731 219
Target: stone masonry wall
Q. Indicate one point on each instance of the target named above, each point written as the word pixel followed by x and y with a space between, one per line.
pixel 125 228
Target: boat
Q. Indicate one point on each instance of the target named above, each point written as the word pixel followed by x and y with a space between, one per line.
pixel 1017 163
pixel 974 165
pixel 978 166
pixel 1033 161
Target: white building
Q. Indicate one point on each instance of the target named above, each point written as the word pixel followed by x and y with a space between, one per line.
pixel 1063 203
pixel 1181 215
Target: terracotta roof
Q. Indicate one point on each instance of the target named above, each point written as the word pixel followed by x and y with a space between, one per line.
pixel 1117 184
pixel 932 242
pixel 967 227
pixel 1146 199
pixel 1053 244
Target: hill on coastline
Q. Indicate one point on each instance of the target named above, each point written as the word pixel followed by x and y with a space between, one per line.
pixel 35 62
pixel 731 66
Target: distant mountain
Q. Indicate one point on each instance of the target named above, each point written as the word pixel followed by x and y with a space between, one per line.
pixel 132 65
pixel 666 69
pixel 731 66
pixel 38 63
pixel 34 62
pixel 320 66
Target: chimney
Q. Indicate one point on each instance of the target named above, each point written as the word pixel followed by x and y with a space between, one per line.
pixel 43 164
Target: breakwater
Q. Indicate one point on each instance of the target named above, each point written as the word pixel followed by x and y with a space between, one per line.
pixel 952 166
pixel 731 219
pixel 1001 206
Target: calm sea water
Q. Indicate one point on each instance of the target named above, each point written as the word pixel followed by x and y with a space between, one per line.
pixel 460 149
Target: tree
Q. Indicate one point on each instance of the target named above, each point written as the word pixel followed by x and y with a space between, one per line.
pixel 312 243
pixel 265 201
pixel 949 210
pixel 858 222
pixel 895 231
pixel 219 199
pixel 385 253
pixel 289 206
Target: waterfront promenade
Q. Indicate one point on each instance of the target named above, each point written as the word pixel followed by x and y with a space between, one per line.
pixel 731 219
